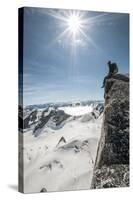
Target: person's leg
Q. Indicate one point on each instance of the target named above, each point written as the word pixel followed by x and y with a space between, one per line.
pixel 104 81
pixel 105 78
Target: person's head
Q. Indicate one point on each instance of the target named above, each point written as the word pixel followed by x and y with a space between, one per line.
pixel 109 62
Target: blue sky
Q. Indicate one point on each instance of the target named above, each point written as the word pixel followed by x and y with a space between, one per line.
pixel 57 68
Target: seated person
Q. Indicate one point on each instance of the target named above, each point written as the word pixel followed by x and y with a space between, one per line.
pixel 113 69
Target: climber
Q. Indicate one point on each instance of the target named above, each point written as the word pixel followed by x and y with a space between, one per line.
pixel 113 69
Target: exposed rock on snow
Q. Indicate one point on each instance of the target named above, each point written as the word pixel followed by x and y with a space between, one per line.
pixel 112 162
pixel 61 141
pixel 43 190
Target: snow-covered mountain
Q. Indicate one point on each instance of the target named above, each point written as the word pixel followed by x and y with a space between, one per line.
pixel 59 146
pixel 57 113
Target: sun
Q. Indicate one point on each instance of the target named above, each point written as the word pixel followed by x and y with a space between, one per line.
pixel 74 24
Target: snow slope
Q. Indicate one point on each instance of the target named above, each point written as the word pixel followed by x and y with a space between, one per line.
pixel 62 159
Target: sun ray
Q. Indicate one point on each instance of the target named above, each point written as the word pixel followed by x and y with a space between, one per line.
pixel 92 20
pixel 57 15
pixel 90 40
pixel 61 35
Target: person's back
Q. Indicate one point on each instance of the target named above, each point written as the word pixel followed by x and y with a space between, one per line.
pixel 113 69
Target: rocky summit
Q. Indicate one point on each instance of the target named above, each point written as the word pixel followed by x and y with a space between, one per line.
pixel 112 161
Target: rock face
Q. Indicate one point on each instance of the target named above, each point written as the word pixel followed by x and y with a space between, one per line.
pixel 112 161
pixel 56 116
pixel 31 118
